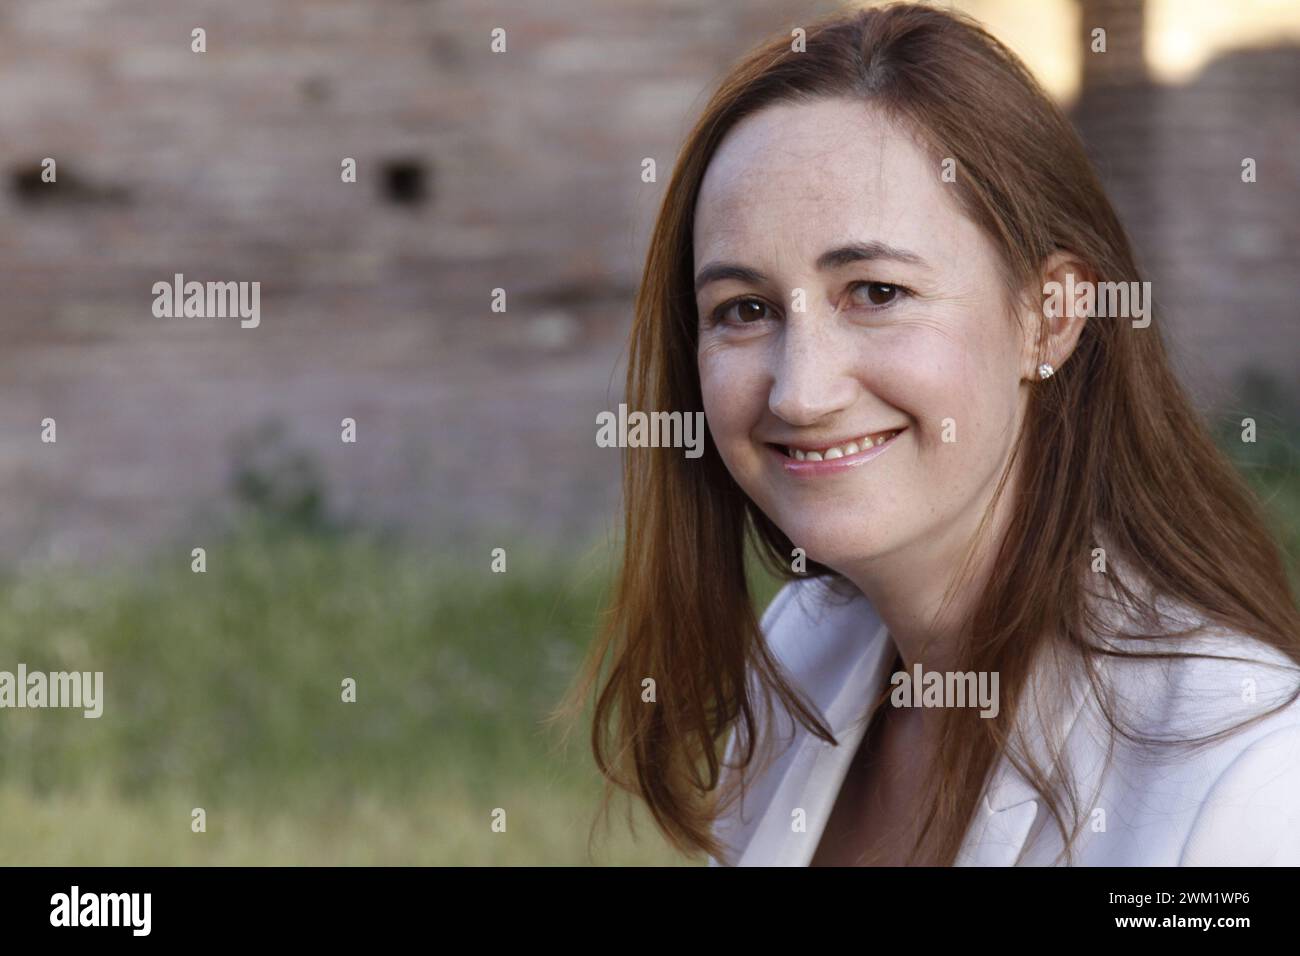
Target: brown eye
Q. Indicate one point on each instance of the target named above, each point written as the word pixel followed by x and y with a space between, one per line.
pixel 879 293
pixel 746 311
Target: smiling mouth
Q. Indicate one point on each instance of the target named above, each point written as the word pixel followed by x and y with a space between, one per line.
pixel 842 450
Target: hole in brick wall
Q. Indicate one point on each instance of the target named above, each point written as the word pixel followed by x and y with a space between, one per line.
pixel 405 182
pixel 317 89
pixel 27 186
pixel 446 51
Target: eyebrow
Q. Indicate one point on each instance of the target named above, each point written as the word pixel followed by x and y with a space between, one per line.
pixel 830 259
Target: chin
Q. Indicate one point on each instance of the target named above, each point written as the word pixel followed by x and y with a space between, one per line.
pixel 836 549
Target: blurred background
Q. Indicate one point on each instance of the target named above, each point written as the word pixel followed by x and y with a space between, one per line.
pixel 475 428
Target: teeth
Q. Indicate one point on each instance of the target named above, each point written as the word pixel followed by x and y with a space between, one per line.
pixel 839 451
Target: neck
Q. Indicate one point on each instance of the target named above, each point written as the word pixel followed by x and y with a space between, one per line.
pixel 907 587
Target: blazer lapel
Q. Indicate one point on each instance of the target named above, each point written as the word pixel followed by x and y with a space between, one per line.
pixel 1009 805
pixel 998 832
pixel 813 776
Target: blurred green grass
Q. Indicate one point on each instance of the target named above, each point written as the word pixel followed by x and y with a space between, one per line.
pixel 1267 453
pixel 223 691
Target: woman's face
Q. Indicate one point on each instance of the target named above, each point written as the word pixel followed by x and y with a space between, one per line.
pixel 903 329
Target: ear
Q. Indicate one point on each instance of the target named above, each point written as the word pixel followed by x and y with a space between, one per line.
pixel 1065 298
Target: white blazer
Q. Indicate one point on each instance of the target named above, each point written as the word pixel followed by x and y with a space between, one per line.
pixel 1235 801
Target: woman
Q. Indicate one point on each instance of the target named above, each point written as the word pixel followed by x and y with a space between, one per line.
pixel 976 489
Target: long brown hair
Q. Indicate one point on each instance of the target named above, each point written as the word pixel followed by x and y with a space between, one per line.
pixel 1111 450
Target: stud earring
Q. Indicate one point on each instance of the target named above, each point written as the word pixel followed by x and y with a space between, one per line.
pixel 1045 371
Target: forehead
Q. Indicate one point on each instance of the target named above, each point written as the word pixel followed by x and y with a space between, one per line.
pixel 801 177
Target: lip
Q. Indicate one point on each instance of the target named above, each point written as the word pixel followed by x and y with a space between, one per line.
pixel 810 469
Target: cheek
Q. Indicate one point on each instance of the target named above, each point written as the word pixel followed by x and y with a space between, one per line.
pixel 958 390
pixel 985 386
pixel 734 394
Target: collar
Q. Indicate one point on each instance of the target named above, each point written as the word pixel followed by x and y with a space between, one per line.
pixel 1050 709
pixel 812 771
pixel 813 774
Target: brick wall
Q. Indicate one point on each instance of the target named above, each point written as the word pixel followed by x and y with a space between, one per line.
pixel 476 171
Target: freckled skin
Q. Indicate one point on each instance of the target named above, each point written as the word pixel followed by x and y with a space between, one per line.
pixel 787 184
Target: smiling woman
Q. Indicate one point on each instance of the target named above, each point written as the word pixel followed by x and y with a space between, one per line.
pixel 1006 495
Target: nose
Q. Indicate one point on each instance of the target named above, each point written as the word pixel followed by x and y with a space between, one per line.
pixel 813 377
